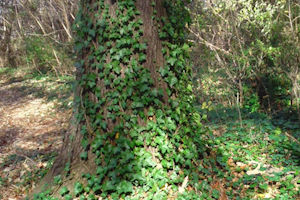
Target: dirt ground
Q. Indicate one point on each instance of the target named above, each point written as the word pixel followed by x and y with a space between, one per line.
pixel 31 131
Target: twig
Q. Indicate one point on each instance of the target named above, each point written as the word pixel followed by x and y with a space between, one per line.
pixel 212 46
pixel 292 137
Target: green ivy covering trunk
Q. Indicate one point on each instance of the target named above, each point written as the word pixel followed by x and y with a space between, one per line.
pixel 140 137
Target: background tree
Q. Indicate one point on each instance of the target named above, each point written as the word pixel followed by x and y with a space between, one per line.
pixel 249 52
pixel 134 132
pixel 37 34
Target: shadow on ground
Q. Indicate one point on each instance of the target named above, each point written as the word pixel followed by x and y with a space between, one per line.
pixel 34 116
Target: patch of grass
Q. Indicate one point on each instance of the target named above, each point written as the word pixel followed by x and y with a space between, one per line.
pixel 7 71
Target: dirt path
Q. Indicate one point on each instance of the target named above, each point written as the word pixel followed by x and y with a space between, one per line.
pixel 31 129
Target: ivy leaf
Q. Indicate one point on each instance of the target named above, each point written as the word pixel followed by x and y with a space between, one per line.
pixel 144 87
pixel 163 71
pixel 108 186
pixel 164 163
pixel 64 191
pixel 171 125
pixel 215 194
pixel 172 61
pixel 57 180
pixel 103 125
pixel 142 58
pixel 127 156
pixel 101 23
pixel 117 82
pixel 154 92
pixel 159 140
pixel 106 82
pixel 143 46
pixel 100 66
pixel 116 67
pixel 84 143
pixel 263 186
pixel 173 81
pixel 137 105
pixel 122 31
pixel 68 197
pixel 67 167
pixel 96 189
pixel 185 47
pixel 140 21
pixel 78 189
pixel 82 197
pixel 84 155
pixel 108 44
pixel 91 84
pixel 101 171
pixel 190 88
pixel 148 161
pixel 92 32
pixel 100 49
pixel 117 57
pixel 162 35
pixel 124 187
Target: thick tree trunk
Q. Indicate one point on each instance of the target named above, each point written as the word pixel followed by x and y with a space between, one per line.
pixel 133 130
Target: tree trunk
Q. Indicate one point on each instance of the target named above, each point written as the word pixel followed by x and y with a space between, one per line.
pixel 134 132
pixel 6 47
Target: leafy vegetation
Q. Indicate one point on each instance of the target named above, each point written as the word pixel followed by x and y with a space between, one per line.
pixel 37 34
pixel 251 50
pixel 259 160
pixel 46 56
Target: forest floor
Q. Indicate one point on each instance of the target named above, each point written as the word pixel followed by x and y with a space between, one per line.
pixel 256 159
pixel 34 115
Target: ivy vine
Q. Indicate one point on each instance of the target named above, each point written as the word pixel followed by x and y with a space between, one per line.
pixel 134 159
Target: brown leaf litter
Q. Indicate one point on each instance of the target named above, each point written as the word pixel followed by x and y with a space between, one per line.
pixel 30 127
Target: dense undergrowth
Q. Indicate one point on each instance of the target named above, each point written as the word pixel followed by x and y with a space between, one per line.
pixel 259 160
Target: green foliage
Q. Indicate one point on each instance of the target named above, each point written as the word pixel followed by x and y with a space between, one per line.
pixel 44 195
pixel 7 71
pixel 45 56
pixel 261 57
pixel 57 179
pixel 251 101
pixel 64 191
pixel 254 158
pixel 39 52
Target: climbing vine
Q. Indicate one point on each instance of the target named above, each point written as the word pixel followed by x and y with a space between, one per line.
pixel 143 144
